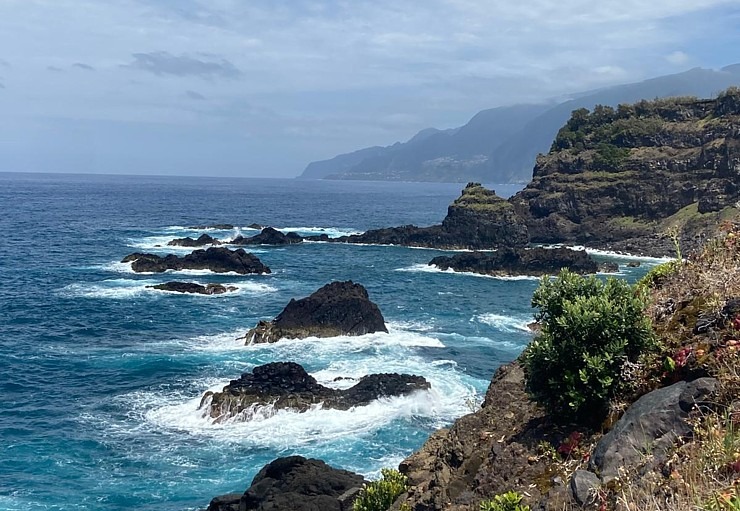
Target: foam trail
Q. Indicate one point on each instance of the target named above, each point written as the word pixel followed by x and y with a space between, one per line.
pixel 122 289
pixel 332 232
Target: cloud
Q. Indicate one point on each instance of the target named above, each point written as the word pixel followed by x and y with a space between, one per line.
pixel 164 63
pixel 195 95
pixel 85 67
pixel 678 58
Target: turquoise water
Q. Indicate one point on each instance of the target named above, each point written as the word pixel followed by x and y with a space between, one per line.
pixel 101 377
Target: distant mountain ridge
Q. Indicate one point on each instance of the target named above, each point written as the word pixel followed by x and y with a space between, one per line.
pixel 500 145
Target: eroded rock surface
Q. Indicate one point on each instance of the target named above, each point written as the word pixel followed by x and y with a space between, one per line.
pixel 338 308
pixel 507 261
pixel 203 239
pixel 293 483
pixel 268 236
pixel 192 287
pixel 287 385
pixel 216 259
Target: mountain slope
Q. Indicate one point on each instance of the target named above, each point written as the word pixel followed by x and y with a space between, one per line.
pixel 500 145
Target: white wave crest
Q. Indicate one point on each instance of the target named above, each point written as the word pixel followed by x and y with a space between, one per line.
pixel 122 289
pixel 504 323
pixel 426 268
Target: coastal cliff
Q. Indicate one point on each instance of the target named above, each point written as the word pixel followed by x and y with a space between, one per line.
pixel 619 178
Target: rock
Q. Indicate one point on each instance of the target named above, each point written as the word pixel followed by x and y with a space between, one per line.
pixel 287 385
pixel 633 264
pixel 228 502
pixel 299 484
pixel 509 261
pixel 255 226
pixel 217 227
pixel 268 236
pixel 339 308
pixel 216 259
pixel 478 219
pixel 649 427
pixel 191 287
pixel 608 267
pixel 583 487
pixel 203 240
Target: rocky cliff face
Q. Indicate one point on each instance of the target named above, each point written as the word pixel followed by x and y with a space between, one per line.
pixel 637 171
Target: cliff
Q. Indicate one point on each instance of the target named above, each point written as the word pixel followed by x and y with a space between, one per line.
pixel 617 178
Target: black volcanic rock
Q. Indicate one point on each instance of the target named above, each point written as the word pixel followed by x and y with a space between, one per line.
pixel 296 484
pixel 507 261
pixel 339 308
pixel 478 219
pixel 203 239
pixel 192 287
pixel 268 236
pixel 287 385
pixel 216 259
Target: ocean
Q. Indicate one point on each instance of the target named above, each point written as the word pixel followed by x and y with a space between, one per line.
pixel 101 377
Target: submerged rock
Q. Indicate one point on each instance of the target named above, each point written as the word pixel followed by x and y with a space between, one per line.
pixel 192 287
pixel 510 261
pixel 294 483
pixel 203 239
pixel 288 385
pixel 339 308
pixel 268 236
pixel 216 259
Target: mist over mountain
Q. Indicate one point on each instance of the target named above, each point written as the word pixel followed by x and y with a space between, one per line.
pixel 499 145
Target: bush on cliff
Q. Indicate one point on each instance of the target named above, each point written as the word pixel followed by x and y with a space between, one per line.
pixel 379 495
pixel 590 328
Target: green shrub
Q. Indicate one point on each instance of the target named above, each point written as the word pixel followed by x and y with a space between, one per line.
pixel 589 329
pixel 657 275
pixel 379 495
pixel 509 501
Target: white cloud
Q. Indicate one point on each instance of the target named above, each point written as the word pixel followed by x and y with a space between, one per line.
pixel 377 68
pixel 678 58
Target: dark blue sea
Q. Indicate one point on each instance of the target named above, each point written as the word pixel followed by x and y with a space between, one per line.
pixel 101 377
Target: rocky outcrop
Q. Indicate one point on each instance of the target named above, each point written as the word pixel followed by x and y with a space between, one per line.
pixel 268 236
pixel 478 219
pixel 297 484
pixel 192 287
pixel 339 308
pixel 507 261
pixel 216 259
pixel 650 428
pixel 287 385
pixel 620 178
pixel 203 239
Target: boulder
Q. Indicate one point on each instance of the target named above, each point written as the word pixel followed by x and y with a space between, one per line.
pixel 287 385
pixel 519 261
pixel 192 287
pixel 297 484
pixel 216 259
pixel 649 428
pixel 203 239
pixel 255 226
pixel 338 308
pixel 268 236
pixel 583 487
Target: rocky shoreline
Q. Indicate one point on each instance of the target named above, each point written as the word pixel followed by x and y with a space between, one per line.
pixel 215 259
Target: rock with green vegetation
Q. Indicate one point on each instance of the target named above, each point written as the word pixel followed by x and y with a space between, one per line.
pixel 589 328
pixel 614 176
pixel 478 219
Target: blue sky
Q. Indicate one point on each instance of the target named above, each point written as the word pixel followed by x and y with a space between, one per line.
pixel 260 87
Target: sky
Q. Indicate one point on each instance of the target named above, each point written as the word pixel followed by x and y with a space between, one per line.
pixel 259 88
